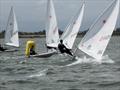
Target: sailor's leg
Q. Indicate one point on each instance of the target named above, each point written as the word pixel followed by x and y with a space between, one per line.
pixel 68 52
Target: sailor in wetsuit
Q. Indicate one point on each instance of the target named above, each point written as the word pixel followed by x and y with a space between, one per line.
pixel 2 49
pixel 63 49
pixel 32 51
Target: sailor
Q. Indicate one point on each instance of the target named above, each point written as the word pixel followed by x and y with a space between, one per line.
pixel 30 48
pixel 63 49
pixel 2 48
pixel 32 51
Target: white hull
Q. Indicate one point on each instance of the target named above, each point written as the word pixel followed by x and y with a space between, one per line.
pixel 44 55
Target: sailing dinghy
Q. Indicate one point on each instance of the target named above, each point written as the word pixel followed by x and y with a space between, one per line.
pixel 52 35
pixel 95 42
pixel 11 33
pixel 68 36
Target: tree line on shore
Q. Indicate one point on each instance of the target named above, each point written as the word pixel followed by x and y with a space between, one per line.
pixel 42 33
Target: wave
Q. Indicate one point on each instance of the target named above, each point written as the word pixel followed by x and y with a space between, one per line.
pixel 105 59
pixel 110 83
pixel 38 74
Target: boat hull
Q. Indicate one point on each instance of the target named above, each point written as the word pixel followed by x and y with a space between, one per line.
pixel 44 55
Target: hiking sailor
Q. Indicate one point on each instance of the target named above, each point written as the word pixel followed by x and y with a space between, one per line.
pixel 63 49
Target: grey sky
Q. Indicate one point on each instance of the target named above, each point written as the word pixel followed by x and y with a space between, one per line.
pixel 31 13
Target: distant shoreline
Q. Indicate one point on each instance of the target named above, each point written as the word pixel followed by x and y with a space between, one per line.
pixel 41 34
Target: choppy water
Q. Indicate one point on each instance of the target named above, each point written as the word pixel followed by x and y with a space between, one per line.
pixel 47 73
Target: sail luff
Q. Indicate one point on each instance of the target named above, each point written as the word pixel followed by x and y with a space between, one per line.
pixel 47 20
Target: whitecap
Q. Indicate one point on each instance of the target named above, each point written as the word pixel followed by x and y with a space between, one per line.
pixel 78 60
pixel 38 74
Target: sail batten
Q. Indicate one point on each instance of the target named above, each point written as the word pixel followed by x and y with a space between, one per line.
pixel 11 33
pixel 97 38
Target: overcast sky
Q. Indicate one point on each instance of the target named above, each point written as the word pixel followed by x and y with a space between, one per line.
pixel 31 13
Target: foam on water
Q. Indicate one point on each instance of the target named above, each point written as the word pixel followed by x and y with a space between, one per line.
pixel 38 74
pixel 105 59
pixel 13 57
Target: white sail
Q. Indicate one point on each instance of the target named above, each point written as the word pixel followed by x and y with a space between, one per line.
pixel 96 40
pixel 11 33
pixel 72 30
pixel 52 35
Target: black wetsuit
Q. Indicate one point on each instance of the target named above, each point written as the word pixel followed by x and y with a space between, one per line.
pixel 2 49
pixel 63 49
pixel 32 51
